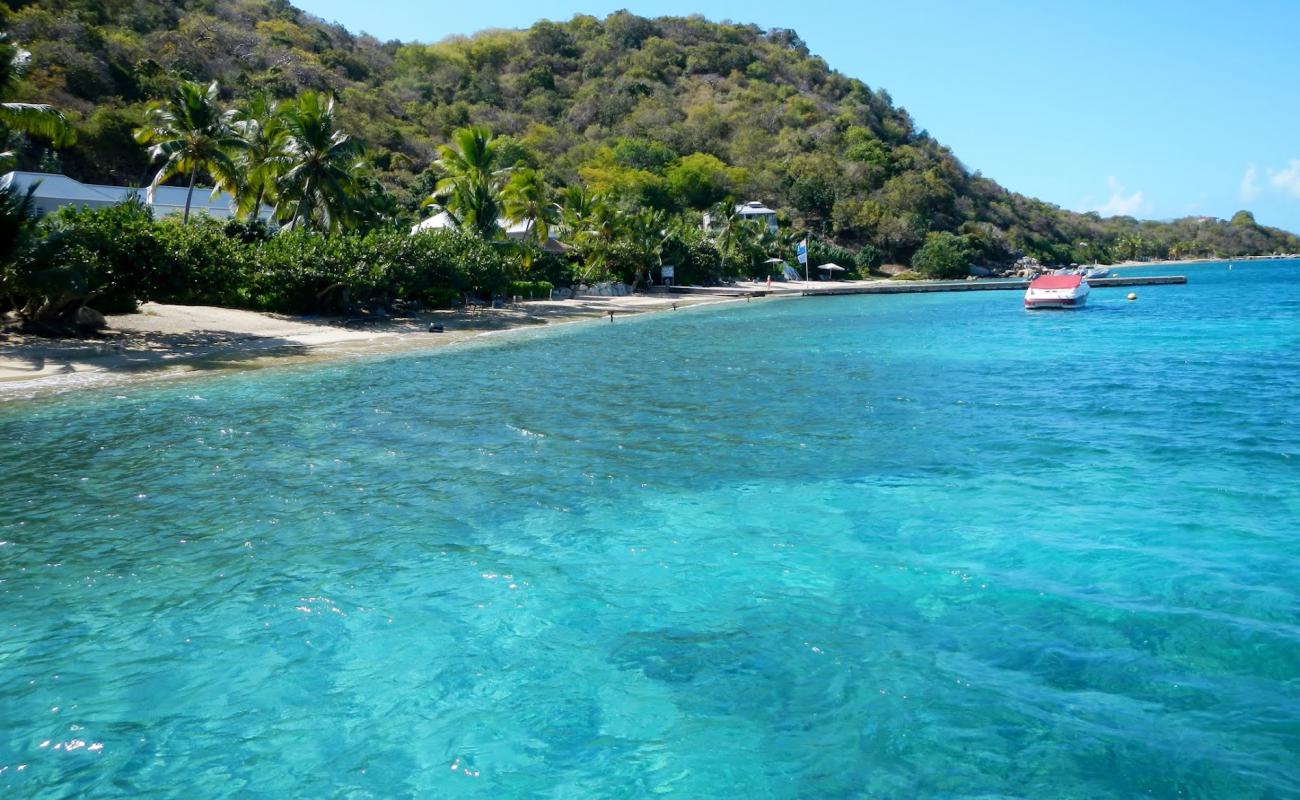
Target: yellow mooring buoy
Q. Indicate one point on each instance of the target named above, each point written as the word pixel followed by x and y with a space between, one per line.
pixel 1132 295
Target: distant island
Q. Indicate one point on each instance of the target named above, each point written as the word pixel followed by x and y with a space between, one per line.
pixel 594 148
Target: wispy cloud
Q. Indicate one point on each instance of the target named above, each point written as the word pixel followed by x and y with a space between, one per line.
pixel 1250 184
pixel 1287 180
pixel 1120 204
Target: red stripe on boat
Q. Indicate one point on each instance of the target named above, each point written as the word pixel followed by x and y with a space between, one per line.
pixel 1056 282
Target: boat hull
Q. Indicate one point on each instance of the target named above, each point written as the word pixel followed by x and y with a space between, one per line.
pixel 1044 303
pixel 1056 292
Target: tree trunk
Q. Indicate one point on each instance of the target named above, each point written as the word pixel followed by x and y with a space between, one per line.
pixel 256 213
pixel 300 218
pixel 194 175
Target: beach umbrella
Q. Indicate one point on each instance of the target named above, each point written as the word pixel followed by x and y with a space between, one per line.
pixel 778 261
pixel 831 267
pixel 787 272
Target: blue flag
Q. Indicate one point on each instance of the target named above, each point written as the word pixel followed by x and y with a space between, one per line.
pixel 803 252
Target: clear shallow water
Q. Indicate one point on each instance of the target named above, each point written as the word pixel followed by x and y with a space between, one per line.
pixel 924 546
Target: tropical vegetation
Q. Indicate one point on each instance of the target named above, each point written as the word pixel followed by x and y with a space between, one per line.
pixel 604 142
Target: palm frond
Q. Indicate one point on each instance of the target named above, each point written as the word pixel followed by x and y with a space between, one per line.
pixel 38 119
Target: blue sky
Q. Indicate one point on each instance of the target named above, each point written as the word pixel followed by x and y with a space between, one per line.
pixel 1156 109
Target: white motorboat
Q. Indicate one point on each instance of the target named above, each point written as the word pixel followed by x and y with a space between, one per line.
pixel 1056 291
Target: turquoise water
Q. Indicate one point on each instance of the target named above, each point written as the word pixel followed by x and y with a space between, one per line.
pixel 908 547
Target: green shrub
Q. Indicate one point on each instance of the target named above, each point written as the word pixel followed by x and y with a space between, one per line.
pixel 866 260
pixel 694 254
pixel 112 258
pixel 201 264
pixel 554 268
pixel 17 221
pixel 438 260
pixel 530 290
pixel 301 272
pixel 108 258
pixel 944 255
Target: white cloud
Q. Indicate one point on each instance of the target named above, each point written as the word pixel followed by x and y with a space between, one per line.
pixel 1287 180
pixel 1120 204
pixel 1250 184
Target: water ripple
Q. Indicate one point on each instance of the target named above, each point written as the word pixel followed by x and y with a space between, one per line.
pixel 925 546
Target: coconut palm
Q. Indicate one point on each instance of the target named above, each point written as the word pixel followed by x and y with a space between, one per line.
pixel 472 182
pixel 526 198
pixel 190 133
pixel 647 230
pixel 575 206
pixel 600 231
pixel 321 165
pixel 262 158
pixel 36 119
pixel 737 238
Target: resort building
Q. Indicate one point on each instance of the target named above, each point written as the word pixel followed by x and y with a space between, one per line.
pixel 514 230
pixel 757 212
pixel 752 211
pixel 53 191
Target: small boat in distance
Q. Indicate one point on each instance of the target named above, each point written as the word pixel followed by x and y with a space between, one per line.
pixel 1056 291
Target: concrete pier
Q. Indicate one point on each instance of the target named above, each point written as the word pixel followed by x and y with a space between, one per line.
pixel 911 287
pixel 905 287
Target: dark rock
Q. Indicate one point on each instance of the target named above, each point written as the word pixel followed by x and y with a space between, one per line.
pixel 89 319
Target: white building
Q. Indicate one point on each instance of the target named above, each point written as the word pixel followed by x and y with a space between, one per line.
pixel 753 211
pixel 54 191
pixel 517 231
pixel 757 212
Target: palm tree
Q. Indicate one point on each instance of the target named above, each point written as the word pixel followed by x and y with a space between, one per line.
pixel 526 198
pixel 470 191
pixel 575 206
pixel 647 231
pixel 737 237
pixel 601 229
pixel 319 184
pixel 35 119
pixel 190 133
pixel 262 158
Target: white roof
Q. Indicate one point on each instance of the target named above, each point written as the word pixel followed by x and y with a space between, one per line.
pixel 59 187
pixel 443 221
pixel 60 190
pixel 440 221
pixel 514 230
pixel 753 208
pixel 167 198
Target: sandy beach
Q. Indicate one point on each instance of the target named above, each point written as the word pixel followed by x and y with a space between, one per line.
pixel 168 340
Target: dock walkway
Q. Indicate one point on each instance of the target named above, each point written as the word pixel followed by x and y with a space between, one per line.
pixel 904 287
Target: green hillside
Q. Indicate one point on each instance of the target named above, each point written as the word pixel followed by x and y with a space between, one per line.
pixel 670 113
